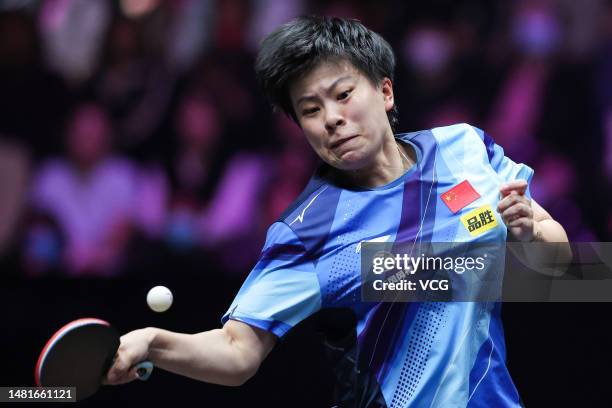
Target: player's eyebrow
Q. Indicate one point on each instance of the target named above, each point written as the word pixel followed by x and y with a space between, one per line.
pixel 328 90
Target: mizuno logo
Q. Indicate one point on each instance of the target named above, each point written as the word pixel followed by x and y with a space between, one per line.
pixel 300 217
pixel 378 239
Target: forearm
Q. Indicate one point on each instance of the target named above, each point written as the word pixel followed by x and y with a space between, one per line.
pixel 549 251
pixel 549 230
pixel 211 356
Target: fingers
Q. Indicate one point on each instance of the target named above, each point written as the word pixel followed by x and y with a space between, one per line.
pixel 520 186
pixel 512 199
pixel 522 222
pixel 122 371
pixel 133 349
pixel 516 211
pixel 117 374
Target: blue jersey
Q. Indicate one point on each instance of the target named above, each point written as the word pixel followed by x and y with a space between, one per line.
pixel 430 354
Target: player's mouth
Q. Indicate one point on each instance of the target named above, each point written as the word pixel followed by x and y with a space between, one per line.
pixel 335 145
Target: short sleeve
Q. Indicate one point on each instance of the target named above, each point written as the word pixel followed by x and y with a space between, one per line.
pixel 505 167
pixel 282 289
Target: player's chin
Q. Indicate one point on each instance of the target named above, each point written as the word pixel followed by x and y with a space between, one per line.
pixel 348 161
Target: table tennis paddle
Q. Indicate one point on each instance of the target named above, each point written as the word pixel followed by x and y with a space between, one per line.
pixel 79 355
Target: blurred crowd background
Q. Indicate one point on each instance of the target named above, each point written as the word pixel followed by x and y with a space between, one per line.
pixel 134 139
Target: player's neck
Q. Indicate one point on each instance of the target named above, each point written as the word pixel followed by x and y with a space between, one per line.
pixel 393 160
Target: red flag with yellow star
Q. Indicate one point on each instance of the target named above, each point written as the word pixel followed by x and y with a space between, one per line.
pixel 459 196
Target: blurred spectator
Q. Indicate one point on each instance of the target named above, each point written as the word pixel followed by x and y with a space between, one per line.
pixel 228 78
pixel 253 192
pixel 213 204
pixel 231 225
pixel 193 167
pixel 191 25
pixel 133 84
pixel 149 208
pixel 34 101
pixel 72 31
pixel 535 74
pixel 89 193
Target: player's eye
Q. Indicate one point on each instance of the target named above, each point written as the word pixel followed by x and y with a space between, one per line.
pixel 310 111
pixel 344 94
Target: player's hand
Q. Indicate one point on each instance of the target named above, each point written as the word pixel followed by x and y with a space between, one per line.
pixel 134 349
pixel 516 210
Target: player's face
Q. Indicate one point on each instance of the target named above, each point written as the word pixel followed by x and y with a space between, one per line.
pixel 343 114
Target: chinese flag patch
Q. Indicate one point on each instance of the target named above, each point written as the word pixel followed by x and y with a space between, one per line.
pixel 459 196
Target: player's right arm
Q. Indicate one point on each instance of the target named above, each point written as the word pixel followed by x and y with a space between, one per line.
pixel 227 356
pixel 281 290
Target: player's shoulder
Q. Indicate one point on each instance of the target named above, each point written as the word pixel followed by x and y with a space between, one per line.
pixel 464 132
pixel 441 133
pixel 462 135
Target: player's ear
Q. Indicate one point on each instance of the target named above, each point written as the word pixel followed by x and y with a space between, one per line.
pixel 386 87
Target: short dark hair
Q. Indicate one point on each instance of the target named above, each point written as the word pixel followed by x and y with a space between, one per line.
pixel 300 45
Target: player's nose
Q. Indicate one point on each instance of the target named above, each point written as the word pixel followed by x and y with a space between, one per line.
pixel 333 119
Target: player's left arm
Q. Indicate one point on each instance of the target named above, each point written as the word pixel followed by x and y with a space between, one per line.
pixel 527 221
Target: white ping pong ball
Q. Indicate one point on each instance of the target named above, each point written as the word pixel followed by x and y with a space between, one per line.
pixel 159 298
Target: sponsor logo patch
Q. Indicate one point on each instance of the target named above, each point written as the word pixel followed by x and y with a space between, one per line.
pixel 479 220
